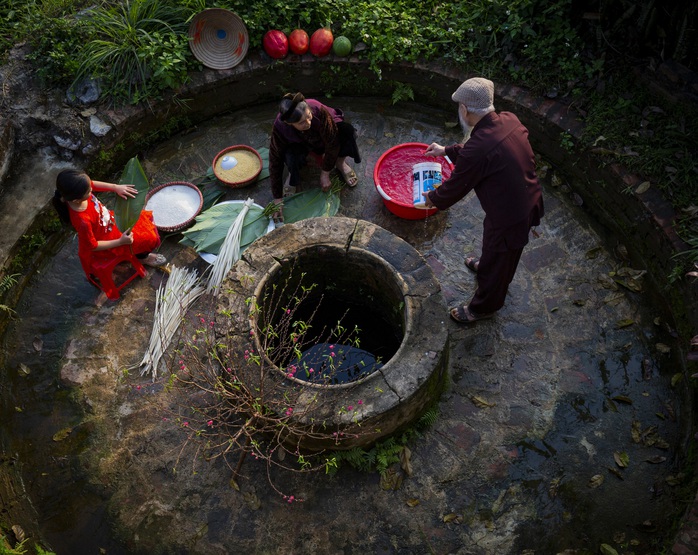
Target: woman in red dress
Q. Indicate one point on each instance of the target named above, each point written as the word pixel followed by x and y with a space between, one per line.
pixel 98 236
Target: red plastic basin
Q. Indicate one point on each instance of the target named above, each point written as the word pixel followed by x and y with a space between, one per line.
pixel 392 177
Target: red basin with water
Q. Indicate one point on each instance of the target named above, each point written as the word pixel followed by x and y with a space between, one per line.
pixel 392 177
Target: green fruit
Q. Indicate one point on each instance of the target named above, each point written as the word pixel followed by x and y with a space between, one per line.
pixel 341 46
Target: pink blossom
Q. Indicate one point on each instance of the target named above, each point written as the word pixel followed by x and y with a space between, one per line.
pixel 359 402
pixel 291 498
pixel 209 423
pixel 332 354
pixel 350 407
pixel 185 424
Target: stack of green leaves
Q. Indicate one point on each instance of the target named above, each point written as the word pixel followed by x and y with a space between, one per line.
pixel 211 227
pixel 313 203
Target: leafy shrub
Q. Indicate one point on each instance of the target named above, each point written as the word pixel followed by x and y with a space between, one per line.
pixel 137 49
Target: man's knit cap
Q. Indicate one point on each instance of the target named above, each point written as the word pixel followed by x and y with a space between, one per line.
pixel 476 93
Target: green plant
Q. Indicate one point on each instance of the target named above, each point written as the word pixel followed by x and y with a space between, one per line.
pixel 653 136
pixel 402 92
pixel 567 141
pixel 6 283
pixel 137 48
pixel 383 453
pixel 18 549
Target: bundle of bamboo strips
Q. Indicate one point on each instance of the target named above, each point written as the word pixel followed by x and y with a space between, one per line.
pixel 173 299
pixel 229 253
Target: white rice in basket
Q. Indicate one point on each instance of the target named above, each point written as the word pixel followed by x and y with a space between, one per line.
pixel 173 205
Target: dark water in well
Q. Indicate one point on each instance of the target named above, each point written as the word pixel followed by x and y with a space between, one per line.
pixel 540 401
pixel 334 364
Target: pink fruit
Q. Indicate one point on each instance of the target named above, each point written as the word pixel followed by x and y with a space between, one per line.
pixel 321 42
pixel 275 44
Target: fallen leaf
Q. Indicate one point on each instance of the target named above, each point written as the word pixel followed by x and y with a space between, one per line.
pixel 676 378
pixel 481 403
pixel 607 282
pixel 38 344
pixel 593 253
pixel 595 481
pixel 62 434
pixel 391 479
pixel 252 500
pixel 636 432
pixel 412 502
pixel 622 459
pixel 663 348
pixel 617 473
pixel 405 462
pixel 623 399
pixel 452 517
pixel 599 139
pixel 642 187
pixel 626 322
pixel 656 459
pixel 24 369
pixel 606 549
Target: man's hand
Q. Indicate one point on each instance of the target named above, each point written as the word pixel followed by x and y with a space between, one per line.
pixel 435 149
pixel 427 201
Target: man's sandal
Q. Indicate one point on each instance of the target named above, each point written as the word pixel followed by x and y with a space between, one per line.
pixel 463 315
pixel 472 263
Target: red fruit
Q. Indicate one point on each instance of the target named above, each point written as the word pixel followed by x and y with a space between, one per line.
pixel 275 44
pixel 321 42
pixel 298 41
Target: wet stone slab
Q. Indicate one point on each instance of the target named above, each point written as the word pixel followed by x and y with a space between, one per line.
pixel 538 399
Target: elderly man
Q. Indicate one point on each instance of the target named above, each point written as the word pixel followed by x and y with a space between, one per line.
pixel 497 162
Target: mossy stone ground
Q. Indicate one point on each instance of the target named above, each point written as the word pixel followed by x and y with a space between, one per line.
pixel 538 402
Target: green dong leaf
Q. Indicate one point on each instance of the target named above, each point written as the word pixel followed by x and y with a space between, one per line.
pixel 127 211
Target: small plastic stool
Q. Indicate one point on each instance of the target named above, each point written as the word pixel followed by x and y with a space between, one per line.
pixel 102 274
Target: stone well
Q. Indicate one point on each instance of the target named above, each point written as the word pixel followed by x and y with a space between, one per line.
pixel 343 254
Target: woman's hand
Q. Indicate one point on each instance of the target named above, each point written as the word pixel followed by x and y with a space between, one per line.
pixel 278 216
pixel 125 191
pixel 435 149
pixel 325 182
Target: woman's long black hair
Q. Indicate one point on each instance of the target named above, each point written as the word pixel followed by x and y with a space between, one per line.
pixel 70 185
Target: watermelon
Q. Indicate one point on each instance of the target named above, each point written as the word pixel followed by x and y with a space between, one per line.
pixel 321 42
pixel 298 41
pixel 275 44
pixel 341 46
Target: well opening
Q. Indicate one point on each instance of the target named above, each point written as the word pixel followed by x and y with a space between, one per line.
pixel 332 316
